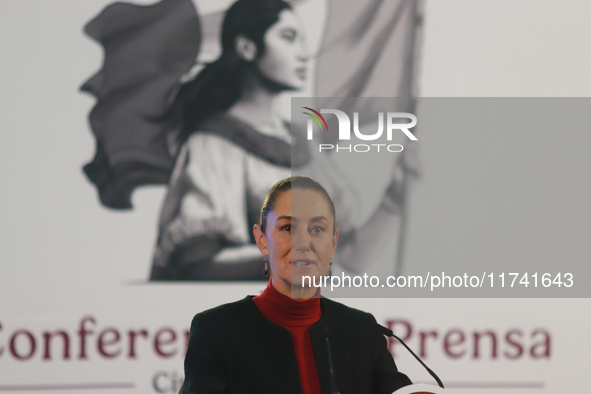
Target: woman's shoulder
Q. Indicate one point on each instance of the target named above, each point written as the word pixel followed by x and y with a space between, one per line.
pixel 344 314
pixel 227 313
pixel 244 304
pixel 210 141
pixel 223 130
pixel 228 131
pixel 208 153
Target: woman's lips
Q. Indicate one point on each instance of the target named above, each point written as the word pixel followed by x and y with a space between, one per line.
pixel 303 263
pixel 301 73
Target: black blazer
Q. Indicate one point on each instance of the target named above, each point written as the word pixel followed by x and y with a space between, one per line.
pixel 234 349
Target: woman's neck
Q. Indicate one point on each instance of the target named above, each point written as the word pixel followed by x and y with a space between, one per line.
pixel 258 103
pixel 294 292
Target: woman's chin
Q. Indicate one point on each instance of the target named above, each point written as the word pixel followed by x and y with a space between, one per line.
pixel 305 277
pixel 298 86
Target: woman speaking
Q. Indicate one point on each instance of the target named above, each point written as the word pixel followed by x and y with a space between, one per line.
pixel 288 339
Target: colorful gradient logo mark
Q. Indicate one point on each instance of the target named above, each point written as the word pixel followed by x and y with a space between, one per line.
pixel 316 119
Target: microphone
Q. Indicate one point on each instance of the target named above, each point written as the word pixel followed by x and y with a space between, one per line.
pixel 333 379
pixel 389 333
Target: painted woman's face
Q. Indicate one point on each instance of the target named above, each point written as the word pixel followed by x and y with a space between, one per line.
pixel 284 60
pixel 299 237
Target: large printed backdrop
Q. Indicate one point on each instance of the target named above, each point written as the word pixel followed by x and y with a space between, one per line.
pixel 76 308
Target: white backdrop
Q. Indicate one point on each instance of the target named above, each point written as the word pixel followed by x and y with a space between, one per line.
pixel 64 257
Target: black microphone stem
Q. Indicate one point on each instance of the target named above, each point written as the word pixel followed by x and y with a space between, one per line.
pixel 390 333
pixel 333 379
pixel 421 361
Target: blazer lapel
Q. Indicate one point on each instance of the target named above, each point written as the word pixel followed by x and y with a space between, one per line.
pixel 340 351
pixel 271 349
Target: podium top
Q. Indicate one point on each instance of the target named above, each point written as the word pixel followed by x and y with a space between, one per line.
pixel 420 388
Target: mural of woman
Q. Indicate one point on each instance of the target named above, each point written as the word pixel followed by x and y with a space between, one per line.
pixel 225 145
pixel 234 145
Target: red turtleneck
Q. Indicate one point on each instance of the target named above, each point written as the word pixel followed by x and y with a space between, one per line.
pixel 296 316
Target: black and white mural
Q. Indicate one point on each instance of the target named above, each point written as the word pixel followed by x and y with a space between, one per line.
pixel 193 100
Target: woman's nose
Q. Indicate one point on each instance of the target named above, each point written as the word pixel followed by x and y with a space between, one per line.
pixel 303 53
pixel 300 241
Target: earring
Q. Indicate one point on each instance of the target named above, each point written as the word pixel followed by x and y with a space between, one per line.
pixel 330 269
pixel 266 263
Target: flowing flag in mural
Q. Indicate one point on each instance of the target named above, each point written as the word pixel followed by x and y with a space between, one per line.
pixel 370 50
pixel 146 51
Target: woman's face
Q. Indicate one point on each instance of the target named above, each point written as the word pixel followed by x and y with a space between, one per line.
pixel 284 59
pixel 299 238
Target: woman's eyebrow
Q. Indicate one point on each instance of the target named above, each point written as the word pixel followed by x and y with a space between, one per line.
pixel 318 219
pixel 286 217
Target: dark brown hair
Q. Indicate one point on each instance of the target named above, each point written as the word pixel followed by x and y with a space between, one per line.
pixel 219 85
pixel 293 182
